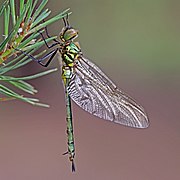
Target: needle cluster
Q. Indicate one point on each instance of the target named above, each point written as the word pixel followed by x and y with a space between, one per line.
pixel 22 24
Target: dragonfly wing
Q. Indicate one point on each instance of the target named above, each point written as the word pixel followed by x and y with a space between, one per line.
pixel 94 92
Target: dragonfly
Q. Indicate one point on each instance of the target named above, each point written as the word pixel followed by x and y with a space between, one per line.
pixel 90 88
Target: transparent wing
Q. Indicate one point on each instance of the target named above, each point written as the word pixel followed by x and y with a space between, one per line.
pixel 94 92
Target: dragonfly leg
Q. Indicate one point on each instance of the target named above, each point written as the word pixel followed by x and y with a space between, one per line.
pixel 66 22
pixel 47 34
pixel 52 45
pixel 50 55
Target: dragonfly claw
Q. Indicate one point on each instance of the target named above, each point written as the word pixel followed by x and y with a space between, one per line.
pixel 73 166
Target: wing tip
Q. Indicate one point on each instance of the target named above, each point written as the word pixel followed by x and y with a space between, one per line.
pixel 144 124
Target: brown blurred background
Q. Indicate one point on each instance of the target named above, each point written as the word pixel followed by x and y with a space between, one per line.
pixel 137 44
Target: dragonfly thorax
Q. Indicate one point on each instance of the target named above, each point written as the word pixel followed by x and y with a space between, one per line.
pixel 70 52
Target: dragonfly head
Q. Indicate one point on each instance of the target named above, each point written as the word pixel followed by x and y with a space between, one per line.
pixel 68 33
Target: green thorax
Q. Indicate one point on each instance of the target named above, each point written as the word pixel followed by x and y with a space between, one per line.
pixel 70 52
